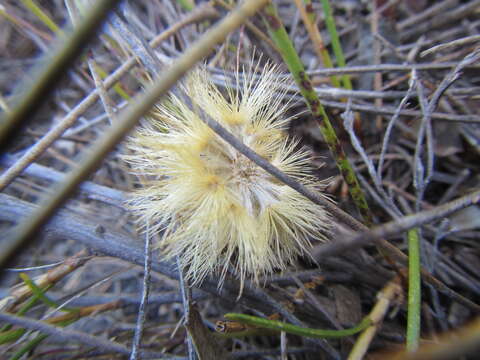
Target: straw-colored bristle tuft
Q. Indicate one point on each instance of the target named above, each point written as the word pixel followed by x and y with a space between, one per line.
pixel 219 210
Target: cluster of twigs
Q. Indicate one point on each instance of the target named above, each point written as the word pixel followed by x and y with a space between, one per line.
pixel 390 109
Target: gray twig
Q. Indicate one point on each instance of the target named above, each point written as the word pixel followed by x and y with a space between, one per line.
pixel 396 227
pixel 389 110
pixel 102 91
pixel 145 292
pixel 65 335
pixel 95 191
pixel 393 120
pixel 134 38
pixel 385 68
pixel 186 294
pixel 348 119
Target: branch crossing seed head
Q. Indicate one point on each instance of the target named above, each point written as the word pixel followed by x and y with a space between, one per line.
pixel 216 208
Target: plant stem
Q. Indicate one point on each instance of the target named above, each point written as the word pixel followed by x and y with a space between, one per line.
pixel 337 47
pixel 308 16
pixel 384 299
pixel 297 330
pixel 414 290
pixel 292 60
pixel 38 12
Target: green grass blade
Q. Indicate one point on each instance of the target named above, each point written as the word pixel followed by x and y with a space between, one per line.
pixel 336 45
pixel 40 294
pixel 297 330
pixel 32 344
pixel 42 16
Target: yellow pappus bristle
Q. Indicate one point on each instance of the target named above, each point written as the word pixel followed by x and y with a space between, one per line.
pixel 216 208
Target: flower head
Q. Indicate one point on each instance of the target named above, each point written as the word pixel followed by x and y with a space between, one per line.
pixel 217 209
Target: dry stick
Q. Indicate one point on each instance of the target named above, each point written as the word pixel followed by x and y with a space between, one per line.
pixel 186 293
pixel 23 233
pixel 36 93
pixel 107 103
pixel 64 335
pixel 454 43
pixel 387 68
pixel 454 14
pixel 437 8
pixel 388 110
pixel 385 298
pixel 147 267
pixel 105 99
pixel 328 92
pixel 53 134
pixel 136 42
pixel 93 191
pixel 54 275
pixel 398 226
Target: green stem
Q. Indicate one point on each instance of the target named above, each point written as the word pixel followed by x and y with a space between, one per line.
pixel 292 60
pixel 40 294
pixel 186 4
pixel 325 55
pixel 24 308
pixel 414 290
pixel 44 18
pixel 9 336
pixel 336 45
pixel 32 344
pixel 297 330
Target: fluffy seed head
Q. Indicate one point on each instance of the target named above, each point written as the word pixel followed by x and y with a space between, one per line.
pixel 216 208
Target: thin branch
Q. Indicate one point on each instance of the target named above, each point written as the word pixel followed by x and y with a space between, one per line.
pixel 52 68
pixel 67 224
pixel 145 294
pixel 186 294
pixel 388 110
pixel 65 336
pixel 457 42
pixel 135 40
pixel 387 68
pixel 385 298
pixel 200 13
pixel 95 191
pixel 396 227
pixel 102 91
